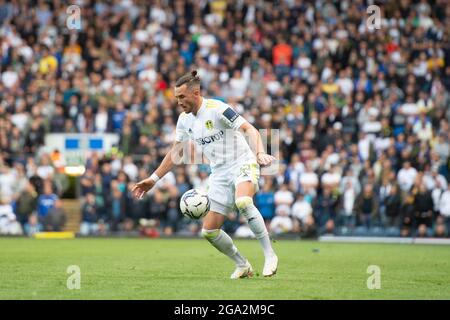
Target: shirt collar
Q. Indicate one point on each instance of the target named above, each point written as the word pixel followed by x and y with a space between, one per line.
pixel 202 107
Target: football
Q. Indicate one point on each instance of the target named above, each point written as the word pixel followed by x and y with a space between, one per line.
pixel 194 204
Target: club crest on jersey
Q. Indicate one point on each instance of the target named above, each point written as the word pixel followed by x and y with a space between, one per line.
pixel 209 125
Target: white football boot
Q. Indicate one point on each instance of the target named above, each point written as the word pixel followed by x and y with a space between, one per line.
pixel 270 266
pixel 243 272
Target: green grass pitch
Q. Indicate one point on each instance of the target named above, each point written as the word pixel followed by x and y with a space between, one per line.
pixel 193 269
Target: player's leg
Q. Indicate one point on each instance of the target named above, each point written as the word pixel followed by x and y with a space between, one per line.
pixel 212 232
pixel 246 185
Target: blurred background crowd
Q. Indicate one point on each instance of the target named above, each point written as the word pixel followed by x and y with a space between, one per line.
pixel 363 114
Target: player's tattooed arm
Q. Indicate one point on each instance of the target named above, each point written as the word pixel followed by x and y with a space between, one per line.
pixel 171 158
pixel 256 144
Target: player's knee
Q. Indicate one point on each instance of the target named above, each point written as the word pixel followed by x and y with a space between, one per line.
pixel 210 234
pixel 244 203
pixel 246 207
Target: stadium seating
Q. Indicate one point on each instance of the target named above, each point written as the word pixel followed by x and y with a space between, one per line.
pixel 358 110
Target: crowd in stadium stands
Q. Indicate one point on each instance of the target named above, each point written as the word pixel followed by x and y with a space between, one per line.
pixel 363 113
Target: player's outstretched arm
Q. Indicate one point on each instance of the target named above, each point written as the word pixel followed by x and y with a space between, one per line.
pixel 143 186
pixel 256 144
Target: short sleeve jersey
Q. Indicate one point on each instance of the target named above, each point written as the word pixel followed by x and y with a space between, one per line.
pixel 214 129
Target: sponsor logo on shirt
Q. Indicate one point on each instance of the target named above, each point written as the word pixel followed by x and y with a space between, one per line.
pixel 207 140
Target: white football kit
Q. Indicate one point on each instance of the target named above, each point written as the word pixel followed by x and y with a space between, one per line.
pixel 214 131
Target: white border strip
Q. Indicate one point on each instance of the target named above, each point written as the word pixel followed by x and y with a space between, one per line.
pixel 441 241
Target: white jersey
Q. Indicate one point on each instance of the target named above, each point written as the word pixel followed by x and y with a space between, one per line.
pixel 214 131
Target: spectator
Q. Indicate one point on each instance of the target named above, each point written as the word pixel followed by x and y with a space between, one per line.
pixel 157 206
pixel 325 208
pixel 101 121
pixel 48 63
pixel 170 223
pixel 444 207
pixel 142 148
pixel 26 203
pixel 422 128
pixel 406 176
pixel 407 214
pixel 347 205
pixel 366 207
pixel 309 180
pixel 283 196
pixel 423 207
pixel 101 196
pixel 57 122
pixel 238 85
pixel 118 117
pixel 46 201
pixel 308 230
pixel 89 224
pixel 440 229
pixel 87 182
pixel 281 223
pixel 86 120
pixel 45 170
pixel 442 146
pixel 126 137
pixel 56 218
pixel 265 201
pixel 301 210
pixel 8 223
pixel 117 209
pixel 182 184
pixel 393 203
pixel 7 181
pixel 422 231
pixel 331 179
pixel 130 168
pixel 32 226
pixel 201 182
pixel 34 137
pixel 350 176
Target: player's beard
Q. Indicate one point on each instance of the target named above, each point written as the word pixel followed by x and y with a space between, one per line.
pixel 190 107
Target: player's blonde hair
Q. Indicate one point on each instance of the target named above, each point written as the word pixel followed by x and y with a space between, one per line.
pixel 191 79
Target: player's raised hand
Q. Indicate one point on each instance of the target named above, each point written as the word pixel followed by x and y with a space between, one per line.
pixel 142 187
pixel 265 159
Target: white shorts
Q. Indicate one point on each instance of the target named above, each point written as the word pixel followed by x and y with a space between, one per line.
pixel 222 184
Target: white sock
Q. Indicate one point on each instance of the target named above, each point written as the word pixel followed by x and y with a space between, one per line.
pixel 256 223
pixel 222 242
